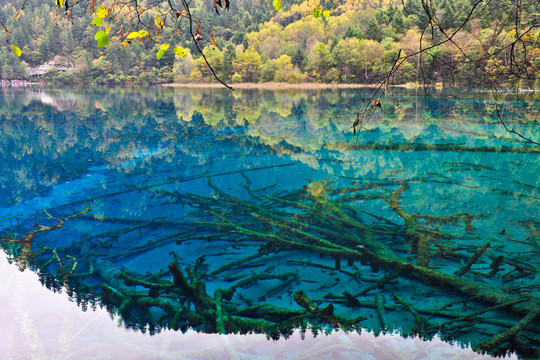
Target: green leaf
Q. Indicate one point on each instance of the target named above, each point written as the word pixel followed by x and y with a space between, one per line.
pixel 133 35
pixel 97 22
pixel 16 50
pixel 326 13
pixel 180 51
pixel 102 38
pixel 102 42
pixel 101 12
pixel 99 35
pixel 316 12
pixel 277 5
pixel 160 53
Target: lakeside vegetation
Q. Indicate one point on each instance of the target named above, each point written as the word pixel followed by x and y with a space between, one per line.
pixel 357 44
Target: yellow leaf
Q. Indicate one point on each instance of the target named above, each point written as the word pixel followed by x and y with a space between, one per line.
pixel 529 36
pixel 277 5
pixel 180 51
pixel 326 13
pixel 108 30
pixel 101 12
pixel 16 50
pixel 143 33
pixel 164 47
pixel 60 3
pixel 159 22
pixel 125 43
pixel 133 35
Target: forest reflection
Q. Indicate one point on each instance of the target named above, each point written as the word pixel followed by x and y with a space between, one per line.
pixel 39 127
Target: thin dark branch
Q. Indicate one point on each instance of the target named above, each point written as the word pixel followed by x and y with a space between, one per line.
pixel 513 131
pixel 199 49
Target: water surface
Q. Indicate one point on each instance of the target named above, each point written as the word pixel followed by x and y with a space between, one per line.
pixel 260 211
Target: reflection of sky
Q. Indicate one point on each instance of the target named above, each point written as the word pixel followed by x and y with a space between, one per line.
pixel 39 324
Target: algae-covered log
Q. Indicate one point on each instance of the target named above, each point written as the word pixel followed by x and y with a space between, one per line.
pixel 508 334
pixel 27 253
pixel 313 223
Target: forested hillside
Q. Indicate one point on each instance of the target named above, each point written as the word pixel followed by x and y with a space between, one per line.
pixel 353 41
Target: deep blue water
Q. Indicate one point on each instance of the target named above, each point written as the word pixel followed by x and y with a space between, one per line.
pixel 269 197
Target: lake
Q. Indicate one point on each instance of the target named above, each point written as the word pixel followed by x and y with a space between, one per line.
pixel 190 214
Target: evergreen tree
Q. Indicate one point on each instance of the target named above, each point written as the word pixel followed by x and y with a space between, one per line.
pixel 373 30
pixel 299 58
pixel 66 40
pixel 333 44
pixel 228 57
pixel 238 37
pixel 462 9
pixel 354 33
pixel 338 59
pixel 414 8
pixel 398 21
pixel 448 17
pixel 348 33
pixel 391 12
pixel 53 46
pixel 381 17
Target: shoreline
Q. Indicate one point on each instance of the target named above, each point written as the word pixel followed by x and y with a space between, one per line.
pixel 317 86
pixel 271 86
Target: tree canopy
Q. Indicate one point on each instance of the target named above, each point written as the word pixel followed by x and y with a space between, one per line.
pixel 466 42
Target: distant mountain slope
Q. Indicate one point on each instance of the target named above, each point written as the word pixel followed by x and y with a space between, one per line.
pixel 350 41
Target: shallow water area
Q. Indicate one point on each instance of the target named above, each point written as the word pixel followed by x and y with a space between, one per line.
pixel 191 212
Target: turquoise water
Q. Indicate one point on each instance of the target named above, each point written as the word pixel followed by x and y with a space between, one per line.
pixel 260 211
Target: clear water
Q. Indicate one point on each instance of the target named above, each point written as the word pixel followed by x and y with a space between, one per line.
pixel 260 211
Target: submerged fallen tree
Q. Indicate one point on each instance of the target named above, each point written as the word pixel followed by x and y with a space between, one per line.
pixel 314 220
